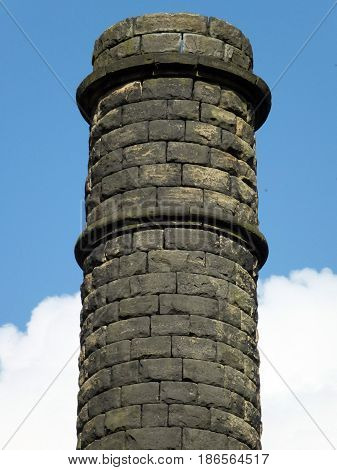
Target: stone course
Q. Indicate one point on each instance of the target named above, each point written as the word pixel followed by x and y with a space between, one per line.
pixel 169 355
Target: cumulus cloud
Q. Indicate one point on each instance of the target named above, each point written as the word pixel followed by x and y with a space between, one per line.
pixel 29 361
pixel 297 333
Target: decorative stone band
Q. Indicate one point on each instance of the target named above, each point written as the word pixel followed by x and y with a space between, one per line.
pixel 209 69
pixel 134 220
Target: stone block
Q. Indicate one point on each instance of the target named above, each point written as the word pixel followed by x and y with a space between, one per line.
pixel 203 45
pixel 162 42
pixel 213 200
pixel 104 402
pixel 138 394
pixel 238 253
pixel 162 174
pixel 227 423
pixel 225 32
pixel 188 304
pixel 206 372
pixel 183 109
pixel 218 117
pixel 124 418
pixel 119 289
pixel 239 383
pixel 144 111
pixel 191 239
pixel 96 384
pixel 115 353
pixel 212 396
pixel 129 93
pixel 166 130
pixel 156 438
pixel 243 192
pixel 185 152
pixel 95 341
pixel 105 273
pixel 237 57
pixel 253 416
pixel 160 369
pixel 117 33
pixel 132 134
pixel 118 246
pixel 115 441
pixel 111 120
pixel 139 306
pixel 92 430
pixel 189 415
pixel 133 264
pixel 231 101
pixel 178 392
pixel 124 374
pixel 202 133
pixel 167 88
pixel 170 325
pixel 170 22
pixel 144 154
pixel 108 164
pixel 148 240
pixel 128 329
pixel 151 347
pixel 124 49
pixel 245 131
pixel 193 348
pixel 207 92
pixel 198 284
pixel 83 417
pixel 105 315
pixel 153 283
pixel 221 267
pixel 123 180
pixel 195 439
pixel 176 260
pixel 241 299
pixel 139 198
pixel 154 415
pixel 180 197
pixel 206 178
pixel 229 356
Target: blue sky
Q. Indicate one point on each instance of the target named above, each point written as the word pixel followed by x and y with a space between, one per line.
pixel 44 138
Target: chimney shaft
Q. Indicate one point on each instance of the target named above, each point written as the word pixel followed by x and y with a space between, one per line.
pixel 171 249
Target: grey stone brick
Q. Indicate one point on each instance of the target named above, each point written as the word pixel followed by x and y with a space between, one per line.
pixel 151 347
pixel 118 246
pixel 215 200
pixel 115 441
pixel 178 392
pixel 183 109
pixel 170 22
pixel 203 133
pixel 148 240
pixel 108 164
pixel 241 299
pixel 167 88
pixel 124 374
pixel 193 348
pixel 138 306
pixel 129 93
pixel 194 439
pixel 124 49
pixel 133 264
pixel 166 130
pixel 95 341
pixel 144 111
pixel 198 284
pixel 227 423
pixel 131 134
pixel 220 267
pixel 154 415
pixel 245 131
pixel 237 57
pixel 206 92
pixel 218 117
pixel 243 192
pixel 180 196
pixel 153 283
pixel 237 253
pixel 191 239
pixel 162 42
pixel 162 174
pixel 115 34
pixel 184 152
pixel 160 369
pixel 104 402
pixel 212 396
pixel 156 438
pixel 123 180
pixel 203 371
pixel 206 178
pixel 229 356
pixel 105 315
pixel 203 45
pixel 92 430
pixel 176 260
pixel 189 415
pixel 170 325
pixel 239 383
pixel 138 394
pixel 123 418
pixel 96 384
pixel 105 273
pixel 119 289
pixel 144 154
pixel 139 198
pixel 128 329
pixel 111 120
pixel 83 417
pixel 115 353
pixel 194 305
pixel 231 101
pixel 253 416
pixel 225 32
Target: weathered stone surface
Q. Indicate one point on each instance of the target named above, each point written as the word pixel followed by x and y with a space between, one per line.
pixel 148 240
pixel 161 42
pixel 133 264
pixel 154 415
pixel 180 196
pixel 119 289
pixel 124 418
pixel 159 438
pixel 189 415
pixel 178 392
pixel 176 260
pixel 128 93
pixel 144 111
pixel 161 174
pixel 170 325
pixel 128 329
pixel 183 109
pixel 198 284
pixel 115 353
pixel 93 429
pixel 227 423
pixel 231 101
pixel 226 32
pixel 151 347
pixel 136 198
pixel 110 442
pixel 203 371
pixel 194 305
pixel 184 152
pixel 156 283
pixel 235 55
pixel 203 45
pixel 124 180
pixel 191 239
pixel 105 315
pixel 207 92
pixel 119 246
pixel 144 154
pixel 166 130
pixel 164 22
pixel 104 402
pixel 193 348
pixel 202 133
pixel 96 384
pixel 108 271
pixel 194 439
pixel 131 134
pixel 218 117
pixel 115 34
pixel 167 88
pixel 161 369
pixel 139 306
pixel 206 178
pixel 124 374
pixel 138 394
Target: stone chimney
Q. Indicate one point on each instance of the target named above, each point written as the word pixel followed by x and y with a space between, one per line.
pixel 171 249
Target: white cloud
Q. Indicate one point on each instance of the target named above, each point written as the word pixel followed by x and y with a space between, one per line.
pixel 297 328
pixel 29 362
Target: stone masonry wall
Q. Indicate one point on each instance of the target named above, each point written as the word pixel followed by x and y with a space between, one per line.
pixel 169 354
